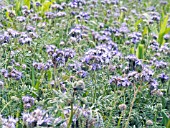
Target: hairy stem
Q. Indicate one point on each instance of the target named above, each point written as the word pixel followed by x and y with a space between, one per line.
pixel 131 106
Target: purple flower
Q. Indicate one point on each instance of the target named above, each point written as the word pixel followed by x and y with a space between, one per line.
pixel 163 2
pixel 56 7
pixel 8 123
pixel 38 4
pixel 50 15
pixel 21 18
pixel 61 14
pixel 36 18
pixel 132 59
pixel 28 101
pixel 30 28
pixel 138 66
pixel 13 33
pixel 155 18
pixel 38 66
pixel 82 73
pixel 124 82
pixel 95 67
pixel 163 77
pixel 120 81
pixel 4 38
pixel 167 37
pixel 85 15
pixel 37 118
pixel 160 64
pixel 153 84
pixel 69 53
pixel 15 74
pixel 123 9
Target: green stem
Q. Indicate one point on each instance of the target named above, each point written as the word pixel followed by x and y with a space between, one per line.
pixel 131 106
pixel 72 113
pixel 95 82
pixel 6 106
pixel 156 115
pixel 122 113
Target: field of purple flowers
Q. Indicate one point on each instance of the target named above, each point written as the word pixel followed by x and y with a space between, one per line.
pixel 84 63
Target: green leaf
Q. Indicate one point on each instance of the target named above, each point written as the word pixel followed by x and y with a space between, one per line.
pixel 166 120
pixel 140 51
pixel 27 3
pixel 145 31
pixel 132 50
pixel 7 16
pixel 33 76
pixel 163 102
pixel 18 7
pixel 39 81
pixel 168 124
pixel 49 75
pixel 59 1
pixel 65 77
pixel 167 30
pixel 148 17
pixel 121 17
pixel 137 23
pixel 42 1
pixel 45 7
pixel 163 31
pixel 10 23
pixel 37 84
pixel 164 24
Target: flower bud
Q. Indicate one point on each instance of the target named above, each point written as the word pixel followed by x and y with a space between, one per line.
pixel 149 122
pixel 79 85
pixel 122 107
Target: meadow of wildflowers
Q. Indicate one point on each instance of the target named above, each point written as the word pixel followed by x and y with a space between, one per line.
pixel 84 63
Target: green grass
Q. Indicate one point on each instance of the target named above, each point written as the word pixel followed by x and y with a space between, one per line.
pixel 94 100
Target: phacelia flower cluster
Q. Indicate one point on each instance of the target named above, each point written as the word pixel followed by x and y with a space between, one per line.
pixel 60 57
pixel 28 101
pixel 17 75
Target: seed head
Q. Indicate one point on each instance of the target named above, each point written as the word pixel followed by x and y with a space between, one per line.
pixel 122 107
pixel 79 85
pixel 149 122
